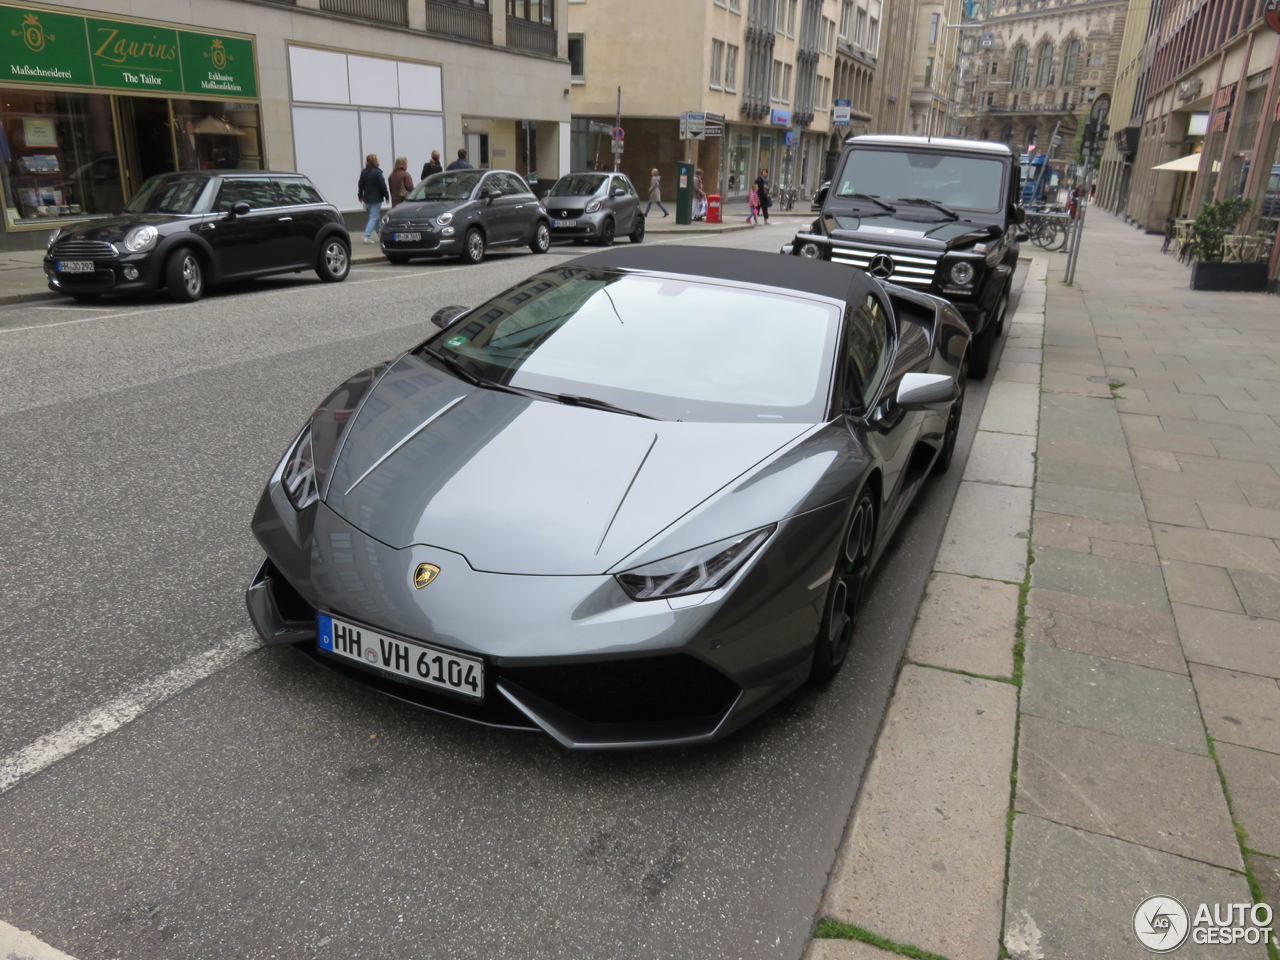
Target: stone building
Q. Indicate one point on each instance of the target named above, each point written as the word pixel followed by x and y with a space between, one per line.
pixel 917 85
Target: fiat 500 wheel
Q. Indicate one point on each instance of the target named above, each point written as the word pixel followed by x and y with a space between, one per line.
pixel 541 241
pixel 473 246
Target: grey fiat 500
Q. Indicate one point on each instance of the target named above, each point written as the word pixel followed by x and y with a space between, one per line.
pixel 464 213
pixel 595 207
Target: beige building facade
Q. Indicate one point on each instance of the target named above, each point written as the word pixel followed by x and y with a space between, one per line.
pixel 915 92
pixel 102 94
pixel 764 72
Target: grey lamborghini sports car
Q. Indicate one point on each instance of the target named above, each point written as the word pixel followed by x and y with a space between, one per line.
pixel 631 501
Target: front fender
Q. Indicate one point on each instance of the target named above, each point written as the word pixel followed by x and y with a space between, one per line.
pixel 322 237
pixel 189 239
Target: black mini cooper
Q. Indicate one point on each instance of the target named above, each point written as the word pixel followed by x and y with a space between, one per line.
pixel 184 231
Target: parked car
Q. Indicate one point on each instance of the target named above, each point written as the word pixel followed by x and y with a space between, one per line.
pixel 544 517
pixel 815 205
pixel 187 231
pixel 594 207
pixel 464 213
pixel 937 214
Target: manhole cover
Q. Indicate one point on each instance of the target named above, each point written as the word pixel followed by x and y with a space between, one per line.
pixel 1109 381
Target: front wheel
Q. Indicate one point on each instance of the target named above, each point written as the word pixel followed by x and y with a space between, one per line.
pixel 473 246
pixel 947 453
pixel 184 276
pixel 844 592
pixel 980 349
pixel 607 232
pixel 541 241
pixel 335 261
pixel 637 232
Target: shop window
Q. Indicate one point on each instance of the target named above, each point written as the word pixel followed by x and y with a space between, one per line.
pixel 58 156
pixel 213 135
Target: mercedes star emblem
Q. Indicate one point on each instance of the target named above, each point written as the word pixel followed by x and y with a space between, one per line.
pixel 881 266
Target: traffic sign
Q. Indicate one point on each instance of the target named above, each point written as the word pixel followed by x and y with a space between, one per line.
pixel 693 126
pixel 618 133
pixel 617 146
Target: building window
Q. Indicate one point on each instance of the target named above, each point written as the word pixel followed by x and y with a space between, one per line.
pixel 1070 58
pixel 928 71
pixel 535 11
pixel 933 29
pixel 786 83
pixel 735 6
pixel 1097 59
pixel 1090 94
pixel 846 14
pixel 991 102
pixel 1020 76
pixel 777 81
pixel 1033 134
pixel 731 68
pixel 1044 65
pixel 993 68
pixel 873 35
pixel 576 69
pixel 717 63
pixel 780 16
pixel 791 18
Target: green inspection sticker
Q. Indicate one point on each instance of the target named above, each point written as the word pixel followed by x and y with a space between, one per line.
pixel 455 341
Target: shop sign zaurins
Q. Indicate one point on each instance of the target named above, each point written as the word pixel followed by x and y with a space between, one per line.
pixel 37 46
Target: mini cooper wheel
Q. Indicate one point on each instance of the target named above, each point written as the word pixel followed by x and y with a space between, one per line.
pixel 844 592
pixel 184 276
pixel 473 246
pixel 606 232
pixel 948 450
pixel 541 241
pixel 335 261
pixel 637 232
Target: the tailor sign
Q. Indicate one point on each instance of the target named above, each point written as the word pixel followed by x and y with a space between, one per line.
pixel 37 46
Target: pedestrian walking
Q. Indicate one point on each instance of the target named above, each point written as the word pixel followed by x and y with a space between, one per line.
pixel 461 163
pixel 372 192
pixel 400 183
pixel 762 188
pixel 753 206
pixel 432 166
pixel 655 193
pixel 699 196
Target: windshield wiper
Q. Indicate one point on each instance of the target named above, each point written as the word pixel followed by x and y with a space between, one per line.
pixel 591 402
pixel 473 378
pixel 933 203
pixel 888 207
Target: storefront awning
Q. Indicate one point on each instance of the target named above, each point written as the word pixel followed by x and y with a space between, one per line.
pixel 1188 164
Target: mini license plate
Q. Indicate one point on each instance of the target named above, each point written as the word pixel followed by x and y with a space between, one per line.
pixel 415 662
pixel 75 266
pixel 406 237
pixel 564 223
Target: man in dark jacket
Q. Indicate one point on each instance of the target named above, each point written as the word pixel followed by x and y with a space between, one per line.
pixel 432 166
pixel 373 193
pixel 461 163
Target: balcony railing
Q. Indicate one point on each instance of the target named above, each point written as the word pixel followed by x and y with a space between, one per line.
pixel 459 20
pixel 531 37
pixel 383 11
pixel 1058 107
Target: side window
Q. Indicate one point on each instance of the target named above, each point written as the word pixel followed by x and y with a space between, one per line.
pixel 624 182
pixel 297 192
pixel 494 181
pixel 515 184
pixel 869 350
pixel 259 193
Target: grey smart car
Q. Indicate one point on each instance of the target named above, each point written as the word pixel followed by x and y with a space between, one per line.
pixel 594 207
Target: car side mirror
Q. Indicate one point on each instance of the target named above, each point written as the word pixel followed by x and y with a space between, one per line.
pixel 492 195
pixel 925 391
pixel 241 209
pixel 447 315
pixel 1022 236
pixel 1019 215
pixel 619 192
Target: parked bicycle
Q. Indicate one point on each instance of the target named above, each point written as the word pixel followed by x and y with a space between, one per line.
pixel 1047 230
pixel 787 197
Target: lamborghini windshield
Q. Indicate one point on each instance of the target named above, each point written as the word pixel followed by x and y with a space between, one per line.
pixel 953 180
pixel 671 348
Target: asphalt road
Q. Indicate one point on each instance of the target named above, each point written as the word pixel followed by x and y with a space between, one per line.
pixel 272 809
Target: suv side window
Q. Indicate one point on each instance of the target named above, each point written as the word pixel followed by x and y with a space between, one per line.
pixel 259 193
pixel 870 348
pixel 295 192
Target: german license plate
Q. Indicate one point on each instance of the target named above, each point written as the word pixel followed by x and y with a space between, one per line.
pixel 414 662
pixel 75 266
pixel 564 223
pixel 406 237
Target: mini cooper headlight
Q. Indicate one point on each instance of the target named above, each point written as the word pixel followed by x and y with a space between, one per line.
pixel 141 238
pixel 694 571
pixel 444 218
pixel 593 206
pixel 961 273
pixel 299 474
pixel 53 238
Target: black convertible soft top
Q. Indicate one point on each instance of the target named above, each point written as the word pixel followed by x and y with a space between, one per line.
pixel 833 280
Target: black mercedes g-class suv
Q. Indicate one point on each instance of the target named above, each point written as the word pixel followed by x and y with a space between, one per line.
pixel 934 214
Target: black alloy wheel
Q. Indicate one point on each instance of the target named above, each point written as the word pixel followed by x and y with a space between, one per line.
pixel 184 276
pixel 541 241
pixel 637 232
pixel 473 246
pixel 845 592
pixel 945 455
pixel 606 232
pixel 335 261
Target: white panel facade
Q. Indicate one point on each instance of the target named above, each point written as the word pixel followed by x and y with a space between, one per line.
pixel 420 87
pixel 415 136
pixel 326 145
pixel 375 137
pixel 318 76
pixel 373 81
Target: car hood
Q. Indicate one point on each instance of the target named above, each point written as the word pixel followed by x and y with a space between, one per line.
pixel 411 211
pixel 551 201
pixel 522 486
pixel 940 235
pixel 113 230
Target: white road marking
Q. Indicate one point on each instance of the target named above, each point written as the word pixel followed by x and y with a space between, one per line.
pixel 65 323
pixel 17 945
pixel 114 714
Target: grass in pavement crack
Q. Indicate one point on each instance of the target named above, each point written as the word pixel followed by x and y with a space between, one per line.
pixel 835 930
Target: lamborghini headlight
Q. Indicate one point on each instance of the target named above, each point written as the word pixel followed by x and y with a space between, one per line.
pixel 298 478
pixel 694 571
pixel 141 238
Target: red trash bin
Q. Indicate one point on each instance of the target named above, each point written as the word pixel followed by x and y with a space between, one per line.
pixel 713 208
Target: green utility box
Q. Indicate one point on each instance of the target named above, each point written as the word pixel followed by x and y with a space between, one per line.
pixel 684 192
